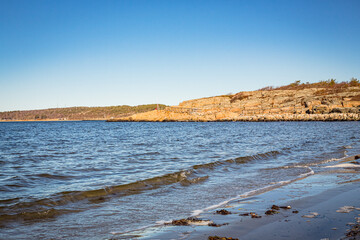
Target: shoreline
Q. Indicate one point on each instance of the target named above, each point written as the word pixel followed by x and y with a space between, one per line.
pixel 163 116
pixel 316 202
pixel 159 116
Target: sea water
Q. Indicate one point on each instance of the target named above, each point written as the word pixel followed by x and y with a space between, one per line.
pixel 91 179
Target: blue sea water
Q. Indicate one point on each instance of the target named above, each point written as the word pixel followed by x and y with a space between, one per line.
pixel 86 179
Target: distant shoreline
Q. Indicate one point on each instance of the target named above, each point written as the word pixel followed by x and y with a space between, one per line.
pixel 255 118
pixel 53 120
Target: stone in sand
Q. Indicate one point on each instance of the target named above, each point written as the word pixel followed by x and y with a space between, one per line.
pixel 285 207
pixel 311 215
pixel 274 207
pixel 354 232
pixel 345 209
pixel 271 212
pixel 254 215
pixel 181 222
pixel 223 212
pixel 198 221
pixel 244 214
pixel 216 225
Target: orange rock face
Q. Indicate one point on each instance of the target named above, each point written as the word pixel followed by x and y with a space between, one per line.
pixel 272 105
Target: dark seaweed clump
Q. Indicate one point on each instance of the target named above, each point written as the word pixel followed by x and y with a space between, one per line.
pixel 221 238
pixel 354 232
pixel 223 212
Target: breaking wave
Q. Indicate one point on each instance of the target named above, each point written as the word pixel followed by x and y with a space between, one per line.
pixel 48 207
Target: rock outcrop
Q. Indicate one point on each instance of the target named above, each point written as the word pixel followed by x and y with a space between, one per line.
pixel 310 104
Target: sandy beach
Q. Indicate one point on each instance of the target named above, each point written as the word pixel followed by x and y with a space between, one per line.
pixel 321 206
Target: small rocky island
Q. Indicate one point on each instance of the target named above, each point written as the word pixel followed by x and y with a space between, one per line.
pixel 321 101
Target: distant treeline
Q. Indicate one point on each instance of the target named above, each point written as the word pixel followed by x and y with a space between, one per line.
pixel 79 113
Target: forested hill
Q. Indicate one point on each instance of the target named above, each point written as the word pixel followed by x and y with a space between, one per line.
pixel 78 113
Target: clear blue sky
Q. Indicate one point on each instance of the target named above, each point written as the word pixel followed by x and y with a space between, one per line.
pixel 102 53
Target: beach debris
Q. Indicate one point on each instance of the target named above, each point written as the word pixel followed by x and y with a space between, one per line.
pixel 180 222
pixel 221 238
pixel 254 215
pixel 190 221
pixel 274 207
pixel 271 212
pixel 311 215
pixel 354 231
pixel 223 212
pixel 295 211
pixel 285 207
pixel 198 221
pixel 334 228
pixel 324 239
pixel 350 224
pixel 217 225
pixel 345 209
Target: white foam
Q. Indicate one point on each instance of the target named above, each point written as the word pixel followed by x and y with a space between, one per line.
pixel 162 222
pixel 344 165
pixel 311 172
pixel 198 212
pixel 330 160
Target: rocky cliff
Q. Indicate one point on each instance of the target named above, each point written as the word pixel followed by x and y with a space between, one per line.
pixel 299 104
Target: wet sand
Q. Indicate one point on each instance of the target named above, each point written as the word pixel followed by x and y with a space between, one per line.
pixel 317 212
pixel 325 222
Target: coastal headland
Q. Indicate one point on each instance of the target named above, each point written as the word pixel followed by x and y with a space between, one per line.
pixel 323 101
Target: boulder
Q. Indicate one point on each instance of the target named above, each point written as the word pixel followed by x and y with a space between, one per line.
pixel 320 109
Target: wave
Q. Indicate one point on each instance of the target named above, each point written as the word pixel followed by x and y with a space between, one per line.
pixel 239 160
pixel 53 176
pixel 184 177
pixel 145 154
pixel 306 165
pixel 34 215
